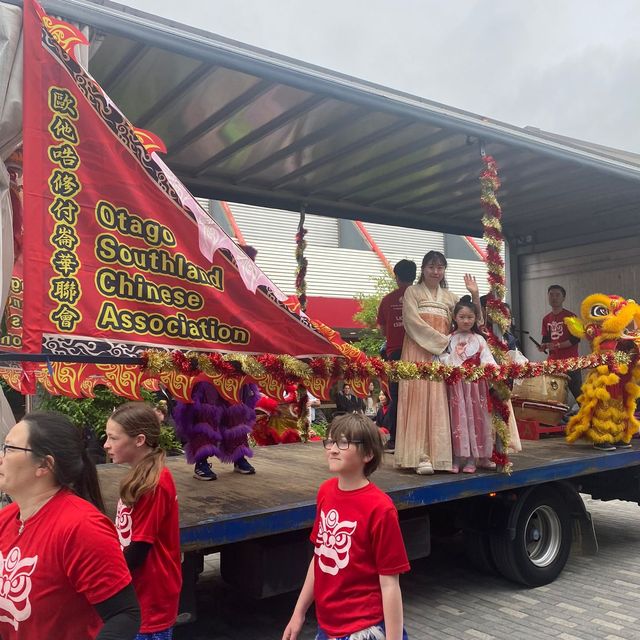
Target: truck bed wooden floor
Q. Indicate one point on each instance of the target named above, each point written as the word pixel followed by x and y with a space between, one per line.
pixel 281 495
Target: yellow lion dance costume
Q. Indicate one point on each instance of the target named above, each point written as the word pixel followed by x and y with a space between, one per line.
pixel 608 398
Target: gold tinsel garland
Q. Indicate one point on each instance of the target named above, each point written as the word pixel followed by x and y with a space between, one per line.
pixel 491 221
pixel 293 370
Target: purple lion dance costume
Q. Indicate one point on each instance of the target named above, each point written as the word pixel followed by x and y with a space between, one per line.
pixel 211 426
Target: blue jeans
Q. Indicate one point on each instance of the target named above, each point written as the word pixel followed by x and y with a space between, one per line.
pixel 167 634
pixel 376 632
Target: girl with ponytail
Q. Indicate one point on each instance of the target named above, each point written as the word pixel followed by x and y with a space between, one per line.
pixel 147 520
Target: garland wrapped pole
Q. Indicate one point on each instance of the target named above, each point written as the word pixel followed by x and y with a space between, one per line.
pixel 301 262
pixel 497 311
pixel 303 413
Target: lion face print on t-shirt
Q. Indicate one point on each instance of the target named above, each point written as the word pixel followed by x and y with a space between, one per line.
pixel 333 542
pixel 15 587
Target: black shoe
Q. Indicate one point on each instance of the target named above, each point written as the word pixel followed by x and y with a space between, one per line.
pixel 390 447
pixel 604 446
pixel 203 471
pixel 242 466
pixel 623 445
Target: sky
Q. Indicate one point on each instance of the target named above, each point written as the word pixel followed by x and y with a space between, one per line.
pixel 567 66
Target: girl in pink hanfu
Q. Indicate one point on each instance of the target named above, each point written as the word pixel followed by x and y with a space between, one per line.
pixel 470 416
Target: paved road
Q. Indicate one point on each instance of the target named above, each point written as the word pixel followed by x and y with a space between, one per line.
pixel 595 598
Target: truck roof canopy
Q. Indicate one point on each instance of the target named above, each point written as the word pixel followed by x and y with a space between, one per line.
pixel 246 125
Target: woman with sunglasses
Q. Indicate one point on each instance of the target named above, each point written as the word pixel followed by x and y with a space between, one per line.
pixel 63 573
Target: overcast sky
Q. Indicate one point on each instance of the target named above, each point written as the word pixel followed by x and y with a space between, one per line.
pixel 566 66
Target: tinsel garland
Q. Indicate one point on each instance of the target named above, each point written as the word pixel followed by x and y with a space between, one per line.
pixel 492 225
pixel 303 425
pixel 290 370
pixel 301 264
pixel 497 312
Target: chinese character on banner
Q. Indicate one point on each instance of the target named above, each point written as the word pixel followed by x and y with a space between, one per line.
pixel 63 130
pixel 65 156
pixel 64 183
pixel 65 263
pixel 64 210
pixel 64 237
pixel 65 290
pixel 66 318
pixel 63 102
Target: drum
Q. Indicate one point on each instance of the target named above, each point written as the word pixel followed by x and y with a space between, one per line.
pixel 546 413
pixel 545 388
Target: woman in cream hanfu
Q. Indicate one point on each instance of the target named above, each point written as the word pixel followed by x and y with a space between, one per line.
pixel 423 439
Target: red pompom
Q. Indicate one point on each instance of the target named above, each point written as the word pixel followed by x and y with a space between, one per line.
pixel 289 436
pixel 267 405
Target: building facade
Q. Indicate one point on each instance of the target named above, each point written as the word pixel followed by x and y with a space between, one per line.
pixel 345 257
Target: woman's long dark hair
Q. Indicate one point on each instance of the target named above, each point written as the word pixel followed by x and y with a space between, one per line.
pixel 53 434
pixel 438 258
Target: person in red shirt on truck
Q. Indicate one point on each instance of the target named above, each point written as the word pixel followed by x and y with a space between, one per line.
pixel 557 342
pixel 390 323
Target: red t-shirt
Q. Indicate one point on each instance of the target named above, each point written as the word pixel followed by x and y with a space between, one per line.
pixel 390 317
pixel 154 519
pixel 357 539
pixel 555 330
pixel 66 560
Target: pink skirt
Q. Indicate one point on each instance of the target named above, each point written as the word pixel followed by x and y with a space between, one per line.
pixel 471 430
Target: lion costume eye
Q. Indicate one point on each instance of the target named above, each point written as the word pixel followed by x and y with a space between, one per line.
pixel 599 311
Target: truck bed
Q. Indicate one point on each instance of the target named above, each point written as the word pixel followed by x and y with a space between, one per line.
pixel 281 496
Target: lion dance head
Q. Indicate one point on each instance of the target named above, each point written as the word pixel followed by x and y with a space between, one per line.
pixel 608 396
pixel 605 320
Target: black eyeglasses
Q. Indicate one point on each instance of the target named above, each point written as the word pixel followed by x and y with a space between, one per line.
pixel 9 447
pixel 343 444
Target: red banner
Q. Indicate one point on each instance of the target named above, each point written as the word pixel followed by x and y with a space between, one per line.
pixel 112 257
pixel 11 322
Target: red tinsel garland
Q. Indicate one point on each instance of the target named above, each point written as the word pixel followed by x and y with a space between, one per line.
pixel 303 414
pixel 496 309
pixel 275 368
pixel 501 459
pixel 221 365
pixel 154 362
pixel 302 263
pixel 186 365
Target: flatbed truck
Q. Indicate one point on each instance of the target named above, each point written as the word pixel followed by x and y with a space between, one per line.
pixel 521 525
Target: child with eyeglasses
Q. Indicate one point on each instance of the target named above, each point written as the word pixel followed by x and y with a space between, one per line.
pixel 359 552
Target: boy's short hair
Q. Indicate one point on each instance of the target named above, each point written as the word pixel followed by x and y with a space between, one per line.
pixel 559 288
pixel 405 270
pixel 356 426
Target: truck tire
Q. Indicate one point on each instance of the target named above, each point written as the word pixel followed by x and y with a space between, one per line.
pixel 540 548
pixel 477 548
pixel 477 535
